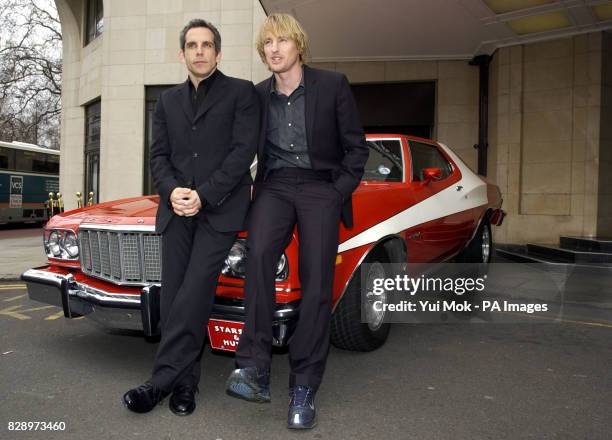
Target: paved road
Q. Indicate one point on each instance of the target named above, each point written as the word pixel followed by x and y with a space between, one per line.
pixel 21 249
pixel 448 381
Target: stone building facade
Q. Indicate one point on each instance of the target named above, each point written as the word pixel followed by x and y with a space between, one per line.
pixel 550 107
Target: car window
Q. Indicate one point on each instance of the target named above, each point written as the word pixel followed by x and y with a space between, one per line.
pixel 427 156
pixel 385 163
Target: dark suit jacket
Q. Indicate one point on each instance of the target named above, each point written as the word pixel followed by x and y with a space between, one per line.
pixel 210 151
pixel 333 130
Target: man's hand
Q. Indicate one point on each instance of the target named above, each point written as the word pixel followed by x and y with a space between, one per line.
pixel 185 202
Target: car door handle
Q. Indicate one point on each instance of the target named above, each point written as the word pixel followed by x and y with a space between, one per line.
pixel 459 187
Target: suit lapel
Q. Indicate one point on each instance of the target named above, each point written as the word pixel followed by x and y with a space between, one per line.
pixel 264 119
pixel 185 98
pixel 216 92
pixel 310 83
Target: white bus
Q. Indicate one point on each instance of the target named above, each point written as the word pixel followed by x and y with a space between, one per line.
pixel 28 174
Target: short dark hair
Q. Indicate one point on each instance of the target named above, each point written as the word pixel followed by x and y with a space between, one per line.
pixel 198 22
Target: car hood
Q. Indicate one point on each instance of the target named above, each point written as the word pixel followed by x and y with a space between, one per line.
pixel 133 211
pixel 372 203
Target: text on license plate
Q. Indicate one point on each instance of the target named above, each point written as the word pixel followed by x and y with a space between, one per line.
pixel 224 335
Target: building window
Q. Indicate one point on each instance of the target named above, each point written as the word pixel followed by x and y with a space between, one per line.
pixel 92 151
pixel 94 19
pixel 152 96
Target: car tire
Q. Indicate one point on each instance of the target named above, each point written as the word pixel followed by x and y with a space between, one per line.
pixel 480 249
pixel 347 330
pixel 476 258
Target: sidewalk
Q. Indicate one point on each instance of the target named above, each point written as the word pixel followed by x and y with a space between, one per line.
pixel 20 249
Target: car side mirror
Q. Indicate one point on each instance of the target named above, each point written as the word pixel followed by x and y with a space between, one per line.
pixel 430 174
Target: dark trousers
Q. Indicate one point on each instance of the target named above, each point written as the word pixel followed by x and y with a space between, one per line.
pixel 192 257
pixel 291 196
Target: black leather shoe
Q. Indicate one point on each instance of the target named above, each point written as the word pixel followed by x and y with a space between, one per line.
pixel 143 398
pixel 302 412
pixel 182 402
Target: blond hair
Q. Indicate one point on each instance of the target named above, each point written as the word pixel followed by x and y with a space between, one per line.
pixel 283 25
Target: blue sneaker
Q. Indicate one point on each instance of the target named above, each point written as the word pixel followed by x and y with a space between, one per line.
pixel 302 412
pixel 249 384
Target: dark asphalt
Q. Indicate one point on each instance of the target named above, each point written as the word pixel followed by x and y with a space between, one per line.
pixel 446 381
pixel 20 249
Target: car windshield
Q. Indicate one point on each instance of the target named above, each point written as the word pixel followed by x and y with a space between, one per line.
pixel 385 163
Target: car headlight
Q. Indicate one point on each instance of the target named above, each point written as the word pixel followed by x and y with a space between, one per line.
pixel 235 263
pixel 282 268
pixel 236 259
pixel 71 245
pixel 54 244
pixel 61 244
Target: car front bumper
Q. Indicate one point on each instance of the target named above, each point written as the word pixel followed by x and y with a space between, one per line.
pixel 134 311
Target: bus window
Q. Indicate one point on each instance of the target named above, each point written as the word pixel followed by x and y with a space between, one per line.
pixel 29 161
pixel 53 162
pixel 23 161
pixel 7 159
pixel 40 163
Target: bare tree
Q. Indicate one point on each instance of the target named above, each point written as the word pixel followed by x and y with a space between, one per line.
pixel 30 71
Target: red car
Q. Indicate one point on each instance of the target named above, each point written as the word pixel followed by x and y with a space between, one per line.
pixel 418 202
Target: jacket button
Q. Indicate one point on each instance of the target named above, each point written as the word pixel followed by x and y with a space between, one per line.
pixel 193 128
pixel 195 154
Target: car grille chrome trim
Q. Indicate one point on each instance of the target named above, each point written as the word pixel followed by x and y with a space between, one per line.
pixel 124 257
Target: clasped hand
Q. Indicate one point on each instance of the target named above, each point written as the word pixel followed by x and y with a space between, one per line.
pixel 185 202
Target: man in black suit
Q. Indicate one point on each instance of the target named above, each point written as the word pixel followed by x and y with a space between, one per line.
pixel 311 157
pixel 205 134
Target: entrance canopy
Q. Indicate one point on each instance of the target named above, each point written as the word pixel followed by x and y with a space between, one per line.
pixel 370 30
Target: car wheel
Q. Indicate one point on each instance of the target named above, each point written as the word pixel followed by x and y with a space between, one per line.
pixel 477 256
pixel 347 330
pixel 480 249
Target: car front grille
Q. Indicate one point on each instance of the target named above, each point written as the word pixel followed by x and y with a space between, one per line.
pixel 122 257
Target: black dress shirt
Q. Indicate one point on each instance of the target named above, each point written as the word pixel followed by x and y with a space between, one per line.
pixel 198 95
pixel 286 144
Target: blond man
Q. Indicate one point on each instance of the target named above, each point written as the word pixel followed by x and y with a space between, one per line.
pixel 311 155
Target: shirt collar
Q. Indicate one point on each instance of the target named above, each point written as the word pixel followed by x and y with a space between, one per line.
pixel 273 83
pixel 204 82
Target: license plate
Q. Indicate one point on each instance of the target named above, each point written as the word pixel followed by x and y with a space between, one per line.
pixel 224 335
